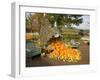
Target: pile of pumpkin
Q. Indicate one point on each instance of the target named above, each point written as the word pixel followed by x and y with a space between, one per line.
pixel 63 52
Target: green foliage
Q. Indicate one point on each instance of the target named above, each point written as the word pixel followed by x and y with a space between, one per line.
pixel 61 20
pixel 29 22
pixel 68 37
pixel 69 34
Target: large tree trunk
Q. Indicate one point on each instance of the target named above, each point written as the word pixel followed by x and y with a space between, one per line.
pixel 46 31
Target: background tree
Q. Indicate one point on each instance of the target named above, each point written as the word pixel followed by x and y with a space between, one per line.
pixel 38 22
pixel 29 23
pixel 64 20
pixel 58 20
pixel 44 23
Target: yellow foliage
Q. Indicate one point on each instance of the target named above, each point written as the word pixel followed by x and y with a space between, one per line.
pixel 65 53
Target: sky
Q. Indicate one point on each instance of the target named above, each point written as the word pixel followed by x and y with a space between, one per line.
pixel 85 24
